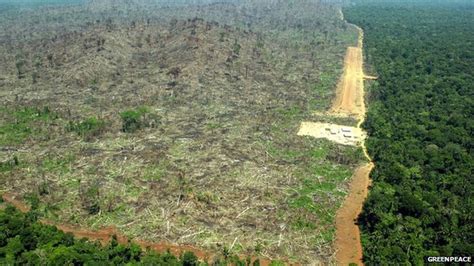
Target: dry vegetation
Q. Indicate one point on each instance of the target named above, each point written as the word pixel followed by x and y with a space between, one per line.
pixel 178 124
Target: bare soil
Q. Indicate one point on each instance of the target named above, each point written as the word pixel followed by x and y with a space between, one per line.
pixel 348 245
pixel 345 135
pixel 350 98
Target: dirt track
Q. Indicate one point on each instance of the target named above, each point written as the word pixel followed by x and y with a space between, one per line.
pixel 350 96
pixel 350 101
pixel 348 245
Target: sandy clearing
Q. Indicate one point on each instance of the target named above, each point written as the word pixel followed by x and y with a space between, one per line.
pixel 349 94
pixel 338 133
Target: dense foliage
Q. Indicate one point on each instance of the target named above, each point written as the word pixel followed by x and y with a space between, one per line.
pixel 25 241
pixel 420 131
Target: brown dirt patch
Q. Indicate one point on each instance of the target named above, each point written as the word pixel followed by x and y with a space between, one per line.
pixel 349 249
pixel 10 198
pixel 350 96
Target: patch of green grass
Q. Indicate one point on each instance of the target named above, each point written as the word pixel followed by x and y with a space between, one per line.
pixel 317 197
pixel 323 91
pixel 303 202
pixel 328 234
pixel 58 164
pixel 334 173
pixel 71 182
pixel 290 113
pixel 319 153
pixel 207 197
pixel 318 190
pixel 28 114
pixel 132 190
pixel 277 263
pixel 303 224
pixel 313 152
pixel 154 172
pixel 285 154
pixel 212 125
pixel 287 120
pixel 19 123
pixel 13 133
pixel 9 165
pixel 87 128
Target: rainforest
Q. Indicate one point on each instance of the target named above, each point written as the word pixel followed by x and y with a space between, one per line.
pixel 420 131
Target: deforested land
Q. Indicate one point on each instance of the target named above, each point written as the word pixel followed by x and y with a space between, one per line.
pixel 177 122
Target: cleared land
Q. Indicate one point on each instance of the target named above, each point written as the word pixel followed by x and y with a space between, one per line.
pixel 349 102
pixel 345 135
pixel 177 125
pixel 350 95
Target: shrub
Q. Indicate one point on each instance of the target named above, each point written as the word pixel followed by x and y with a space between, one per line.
pixel 90 198
pixel 91 127
pixel 8 165
pixel 132 119
pixel 189 259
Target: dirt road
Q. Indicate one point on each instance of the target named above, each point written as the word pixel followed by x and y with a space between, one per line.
pixel 349 95
pixel 350 101
pixel 348 245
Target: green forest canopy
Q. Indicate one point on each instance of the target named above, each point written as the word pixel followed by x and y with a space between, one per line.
pixel 420 130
